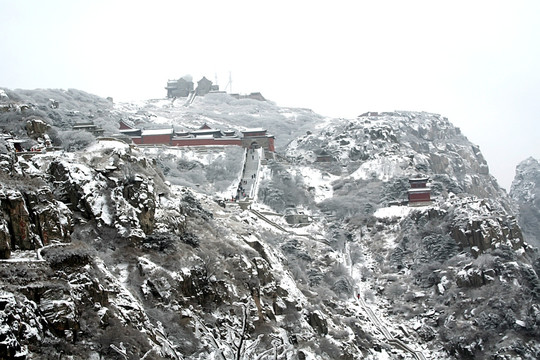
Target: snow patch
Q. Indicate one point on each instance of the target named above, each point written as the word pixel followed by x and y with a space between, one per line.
pixel 392 212
pixel 319 182
pixel 383 168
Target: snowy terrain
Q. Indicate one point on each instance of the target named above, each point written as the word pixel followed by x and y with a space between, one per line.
pixel 150 258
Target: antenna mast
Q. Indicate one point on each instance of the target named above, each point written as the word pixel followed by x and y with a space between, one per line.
pixel 229 84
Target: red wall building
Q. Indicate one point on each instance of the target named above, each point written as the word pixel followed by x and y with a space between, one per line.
pixel 157 136
pixel 205 136
pixel 205 142
pixel 124 125
pixel 419 193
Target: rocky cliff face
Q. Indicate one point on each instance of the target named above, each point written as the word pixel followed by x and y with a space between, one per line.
pixel 117 192
pixel 525 190
pixel 397 145
pixel 56 299
pixel 31 219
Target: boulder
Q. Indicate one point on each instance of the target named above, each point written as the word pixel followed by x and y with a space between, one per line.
pixel 36 127
pixel 279 306
pixel 60 311
pixel 52 218
pixel 160 287
pixel 318 322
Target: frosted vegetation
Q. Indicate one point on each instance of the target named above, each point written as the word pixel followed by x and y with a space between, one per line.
pixel 74 106
pixel 211 172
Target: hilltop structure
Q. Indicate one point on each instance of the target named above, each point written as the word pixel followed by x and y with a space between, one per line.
pixel 89 127
pixel 184 87
pixel 179 88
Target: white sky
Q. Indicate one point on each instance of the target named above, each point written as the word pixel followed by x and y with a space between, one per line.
pixel 476 62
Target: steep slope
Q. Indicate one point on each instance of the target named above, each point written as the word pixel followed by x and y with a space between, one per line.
pixel 525 190
pixel 158 271
pixel 150 270
pixel 427 267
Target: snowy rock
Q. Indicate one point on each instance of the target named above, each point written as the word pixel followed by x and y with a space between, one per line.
pixel 20 322
pixel 318 322
pixel 5 240
pixel 263 271
pixel 470 278
pixel 32 218
pixel 53 218
pixel 36 127
pixel 60 311
pixel 14 208
pixel 139 192
pixel 481 226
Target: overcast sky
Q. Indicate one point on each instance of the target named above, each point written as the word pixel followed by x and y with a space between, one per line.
pixel 475 62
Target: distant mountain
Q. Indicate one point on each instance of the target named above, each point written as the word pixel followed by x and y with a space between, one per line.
pixel 525 190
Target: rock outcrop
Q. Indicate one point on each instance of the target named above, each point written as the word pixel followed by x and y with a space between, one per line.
pixel 31 219
pixel 106 195
pixel 481 226
pixel 404 143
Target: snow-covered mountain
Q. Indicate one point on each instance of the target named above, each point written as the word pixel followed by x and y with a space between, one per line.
pixel 119 252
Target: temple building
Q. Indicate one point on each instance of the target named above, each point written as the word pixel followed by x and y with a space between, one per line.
pixel 204 136
pixel 419 193
pixel 179 88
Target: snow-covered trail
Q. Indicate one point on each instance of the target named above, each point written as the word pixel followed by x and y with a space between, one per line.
pixel 250 176
pixel 390 339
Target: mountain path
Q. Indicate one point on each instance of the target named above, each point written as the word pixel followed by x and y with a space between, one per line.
pixel 390 339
